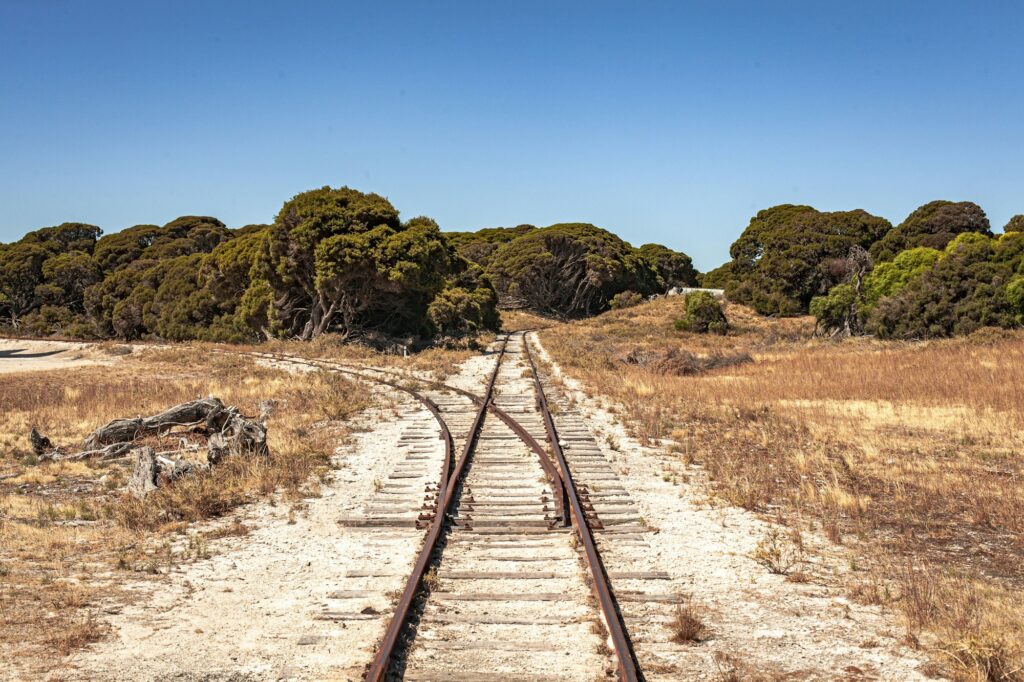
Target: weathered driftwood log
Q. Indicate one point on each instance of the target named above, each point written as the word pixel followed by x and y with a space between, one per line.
pixel 207 411
pixel 112 451
pixel 228 432
pixel 237 436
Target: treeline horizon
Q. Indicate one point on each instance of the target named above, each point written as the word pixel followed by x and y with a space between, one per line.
pixel 334 261
pixel 941 272
pixel 342 261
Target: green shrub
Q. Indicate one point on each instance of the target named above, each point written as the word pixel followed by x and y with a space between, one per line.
pixel 703 314
pixel 789 254
pixel 837 310
pixel 890 277
pixel 625 299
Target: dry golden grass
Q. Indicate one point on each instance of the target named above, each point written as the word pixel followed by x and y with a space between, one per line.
pixel 687 625
pixel 905 452
pixel 66 529
pixel 520 320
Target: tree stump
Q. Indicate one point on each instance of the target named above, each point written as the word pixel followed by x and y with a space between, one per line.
pixel 146 474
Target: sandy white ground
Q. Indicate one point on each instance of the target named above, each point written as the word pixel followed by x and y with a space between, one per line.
pixel 31 356
pixel 254 610
pixel 810 630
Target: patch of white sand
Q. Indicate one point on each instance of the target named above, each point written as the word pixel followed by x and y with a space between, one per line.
pixel 35 356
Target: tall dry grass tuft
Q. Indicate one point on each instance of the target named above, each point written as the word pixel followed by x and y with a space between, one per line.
pixel 687 625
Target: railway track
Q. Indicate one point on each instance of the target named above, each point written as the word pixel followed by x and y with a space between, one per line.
pixel 510 581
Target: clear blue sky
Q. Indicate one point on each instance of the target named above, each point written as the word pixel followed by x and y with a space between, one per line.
pixel 662 121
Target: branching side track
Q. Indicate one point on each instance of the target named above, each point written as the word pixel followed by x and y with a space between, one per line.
pixel 510 579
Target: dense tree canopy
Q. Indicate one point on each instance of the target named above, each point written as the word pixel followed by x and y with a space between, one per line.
pixel 570 269
pixel 970 286
pixel 334 260
pixel 975 281
pixel 933 225
pixel 1015 224
pixel 480 246
pixel 344 261
pixel 790 254
pixel 341 260
pixel 672 268
pixel 51 266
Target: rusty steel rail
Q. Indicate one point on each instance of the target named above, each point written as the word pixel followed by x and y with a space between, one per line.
pixel 628 669
pixel 446 436
pixel 378 668
pixel 567 500
pixel 558 491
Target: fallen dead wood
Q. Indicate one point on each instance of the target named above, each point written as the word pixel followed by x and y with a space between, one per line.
pixel 192 413
pixel 227 432
pixel 40 443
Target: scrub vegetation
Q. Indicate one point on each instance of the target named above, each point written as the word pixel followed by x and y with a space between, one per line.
pixel 908 455
pixel 333 260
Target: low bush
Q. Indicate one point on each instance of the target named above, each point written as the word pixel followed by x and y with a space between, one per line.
pixel 703 315
pixel 626 299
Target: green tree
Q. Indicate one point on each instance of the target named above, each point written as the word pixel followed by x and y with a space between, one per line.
pixel 234 263
pixel 304 222
pixel 64 237
pixel 115 251
pixel 340 260
pixel 334 260
pixel 719 278
pixel 967 288
pixel 382 278
pixel 68 275
pixel 567 270
pixel 836 312
pixel 1015 297
pixel 50 319
pixel 181 307
pixel 479 247
pixel 933 225
pixel 673 268
pixel 21 272
pixel 1015 224
pixel 102 298
pixel 890 277
pixel 789 254
pixel 460 311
